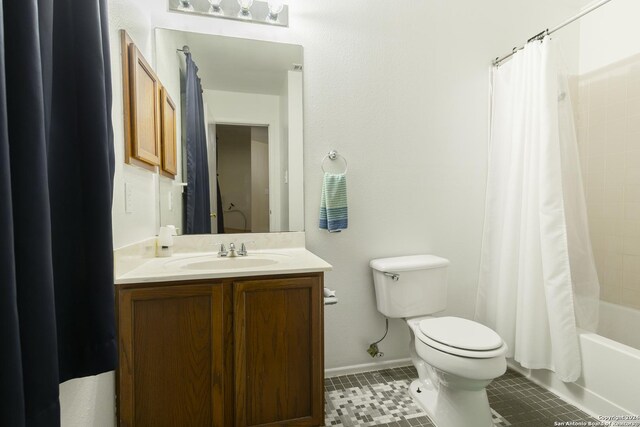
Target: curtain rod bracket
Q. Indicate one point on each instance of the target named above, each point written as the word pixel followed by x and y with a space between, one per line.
pixel 541 35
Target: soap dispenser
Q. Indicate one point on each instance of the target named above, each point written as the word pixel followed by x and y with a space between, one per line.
pixel 164 246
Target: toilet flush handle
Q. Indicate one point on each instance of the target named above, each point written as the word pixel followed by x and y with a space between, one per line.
pixel 394 276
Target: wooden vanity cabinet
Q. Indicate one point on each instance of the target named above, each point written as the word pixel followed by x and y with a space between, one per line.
pixel 229 352
pixel 172 355
pixel 279 369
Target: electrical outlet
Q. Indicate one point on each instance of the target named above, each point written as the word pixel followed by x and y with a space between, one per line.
pixel 170 200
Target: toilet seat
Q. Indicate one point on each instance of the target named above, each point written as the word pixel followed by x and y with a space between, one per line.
pixel 460 337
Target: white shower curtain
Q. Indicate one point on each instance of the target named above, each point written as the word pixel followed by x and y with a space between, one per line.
pixel 538 281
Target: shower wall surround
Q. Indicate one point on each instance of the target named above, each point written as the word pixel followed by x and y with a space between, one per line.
pixel 608 111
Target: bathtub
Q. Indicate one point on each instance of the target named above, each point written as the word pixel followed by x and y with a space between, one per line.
pixel 619 323
pixel 610 381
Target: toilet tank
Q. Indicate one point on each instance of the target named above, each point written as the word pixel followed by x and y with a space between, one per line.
pixel 410 286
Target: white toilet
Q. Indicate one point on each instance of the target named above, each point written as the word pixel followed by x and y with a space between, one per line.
pixel 456 358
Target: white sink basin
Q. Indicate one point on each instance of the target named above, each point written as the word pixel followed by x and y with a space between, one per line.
pixel 215 263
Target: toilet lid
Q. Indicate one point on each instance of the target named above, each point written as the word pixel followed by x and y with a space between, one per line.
pixel 460 333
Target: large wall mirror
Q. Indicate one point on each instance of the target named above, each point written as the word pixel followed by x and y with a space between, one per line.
pixel 244 175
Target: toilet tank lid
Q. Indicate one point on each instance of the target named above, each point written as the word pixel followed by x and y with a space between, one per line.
pixel 408 263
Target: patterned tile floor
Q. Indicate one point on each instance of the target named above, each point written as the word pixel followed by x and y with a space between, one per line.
pixel 381 398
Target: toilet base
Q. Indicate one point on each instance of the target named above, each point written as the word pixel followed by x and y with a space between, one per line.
pixel 447 407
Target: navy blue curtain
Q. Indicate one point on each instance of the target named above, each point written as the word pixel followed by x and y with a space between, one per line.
pixel 56 177
pixel 197 196
pixel 219 210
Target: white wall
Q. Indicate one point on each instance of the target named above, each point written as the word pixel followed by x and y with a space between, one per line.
pixel 284 154
pixel 609 34
pixel 295 150
pixel 142 222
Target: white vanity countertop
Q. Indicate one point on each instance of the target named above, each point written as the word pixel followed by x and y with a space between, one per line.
pixel 179 267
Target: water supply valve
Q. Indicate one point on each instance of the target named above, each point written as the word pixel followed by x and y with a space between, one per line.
pixel 374 351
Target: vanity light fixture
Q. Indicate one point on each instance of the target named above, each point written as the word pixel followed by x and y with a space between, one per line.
pixel 269 12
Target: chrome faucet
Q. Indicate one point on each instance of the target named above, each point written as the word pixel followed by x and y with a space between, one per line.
pixel 223 251
pixel 243 250
pixel 233 252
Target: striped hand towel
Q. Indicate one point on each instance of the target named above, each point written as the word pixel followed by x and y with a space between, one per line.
pixel 333 206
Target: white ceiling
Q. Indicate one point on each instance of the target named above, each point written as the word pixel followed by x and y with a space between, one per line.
pixel 241 65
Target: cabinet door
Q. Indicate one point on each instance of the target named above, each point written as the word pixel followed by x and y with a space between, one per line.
pixel 169 150
pixel 171 369
pixel 145 105
pixel 279 365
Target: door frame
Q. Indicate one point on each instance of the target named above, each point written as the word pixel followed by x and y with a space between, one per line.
pixel 274 168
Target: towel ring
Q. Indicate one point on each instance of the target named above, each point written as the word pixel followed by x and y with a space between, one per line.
pixel 333 155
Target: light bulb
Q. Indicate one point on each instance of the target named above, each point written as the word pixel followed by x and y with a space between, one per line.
pixel 245 5
pixel 185 5
pixel 275 7
pixel 215 8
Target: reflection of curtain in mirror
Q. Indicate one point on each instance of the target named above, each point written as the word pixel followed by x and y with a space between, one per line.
pixel 219 210
pixel 197 203
pixel 538 281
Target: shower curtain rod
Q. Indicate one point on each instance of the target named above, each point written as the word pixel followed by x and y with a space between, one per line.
pixel 548 32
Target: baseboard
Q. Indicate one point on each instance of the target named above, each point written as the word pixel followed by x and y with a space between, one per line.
pixel 573 393
pixel 366 367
